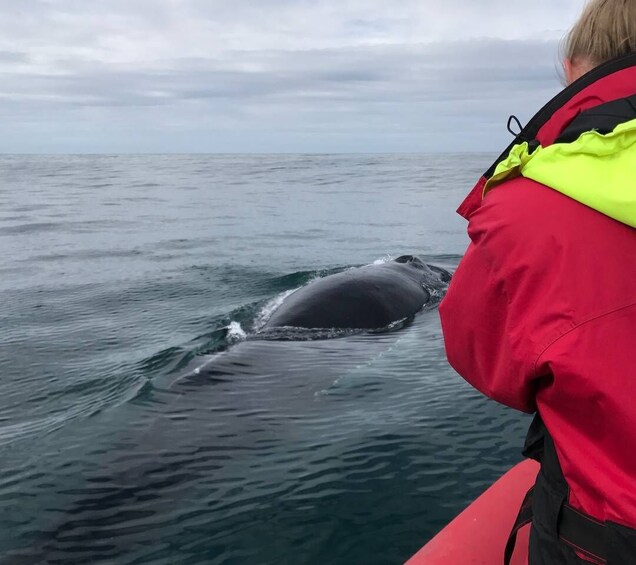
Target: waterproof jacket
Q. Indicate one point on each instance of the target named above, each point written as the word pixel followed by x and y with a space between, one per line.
pixel 541 312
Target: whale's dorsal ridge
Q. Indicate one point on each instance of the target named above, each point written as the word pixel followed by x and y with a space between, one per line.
pixel 411 260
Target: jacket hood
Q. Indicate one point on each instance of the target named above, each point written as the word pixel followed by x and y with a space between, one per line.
pixel 598 170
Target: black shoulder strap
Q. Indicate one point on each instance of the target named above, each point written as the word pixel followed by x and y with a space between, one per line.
pixel 603 119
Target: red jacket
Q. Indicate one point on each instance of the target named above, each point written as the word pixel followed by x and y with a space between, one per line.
pixel 541 315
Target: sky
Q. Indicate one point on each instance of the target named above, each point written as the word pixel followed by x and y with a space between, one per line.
pixel 270 76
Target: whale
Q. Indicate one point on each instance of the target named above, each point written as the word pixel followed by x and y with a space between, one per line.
pixel 171 453
pixel 365 298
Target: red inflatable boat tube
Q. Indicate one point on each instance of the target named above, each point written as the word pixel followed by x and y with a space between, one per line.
pixel 479 534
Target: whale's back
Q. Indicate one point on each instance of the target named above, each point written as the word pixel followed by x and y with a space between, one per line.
pixel 366 298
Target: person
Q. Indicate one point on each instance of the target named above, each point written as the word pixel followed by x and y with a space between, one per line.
pixel 541 312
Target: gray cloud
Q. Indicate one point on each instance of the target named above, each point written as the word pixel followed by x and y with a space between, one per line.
pixel 129 84
pixel 13 57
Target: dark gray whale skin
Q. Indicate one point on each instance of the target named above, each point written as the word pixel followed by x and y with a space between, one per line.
pixel 370 297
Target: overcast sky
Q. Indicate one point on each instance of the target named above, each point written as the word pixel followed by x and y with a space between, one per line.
pixel 274 75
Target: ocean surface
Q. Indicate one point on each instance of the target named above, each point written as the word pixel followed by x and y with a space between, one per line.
pixel 123 279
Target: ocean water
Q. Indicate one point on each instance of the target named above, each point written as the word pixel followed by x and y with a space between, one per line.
pixel 139 420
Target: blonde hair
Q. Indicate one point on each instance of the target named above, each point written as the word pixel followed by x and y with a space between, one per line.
pixel 606 29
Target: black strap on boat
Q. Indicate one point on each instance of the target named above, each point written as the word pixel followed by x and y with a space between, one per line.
pixel 523 519
pixel 580 531
pixel 583 533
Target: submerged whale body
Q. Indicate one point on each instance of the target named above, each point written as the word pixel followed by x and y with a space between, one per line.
pixel 370 297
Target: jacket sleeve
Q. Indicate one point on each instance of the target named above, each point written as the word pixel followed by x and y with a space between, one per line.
pixel 487 316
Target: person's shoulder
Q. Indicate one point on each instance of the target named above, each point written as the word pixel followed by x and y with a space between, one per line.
pixel 515 209
pixel 526 221
pixel 522 201
pixel 523 208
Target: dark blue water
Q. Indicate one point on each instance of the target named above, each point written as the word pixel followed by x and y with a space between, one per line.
pixel 122 276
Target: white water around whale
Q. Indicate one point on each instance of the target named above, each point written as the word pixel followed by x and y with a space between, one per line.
pixel 235 333
pixel 270 307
